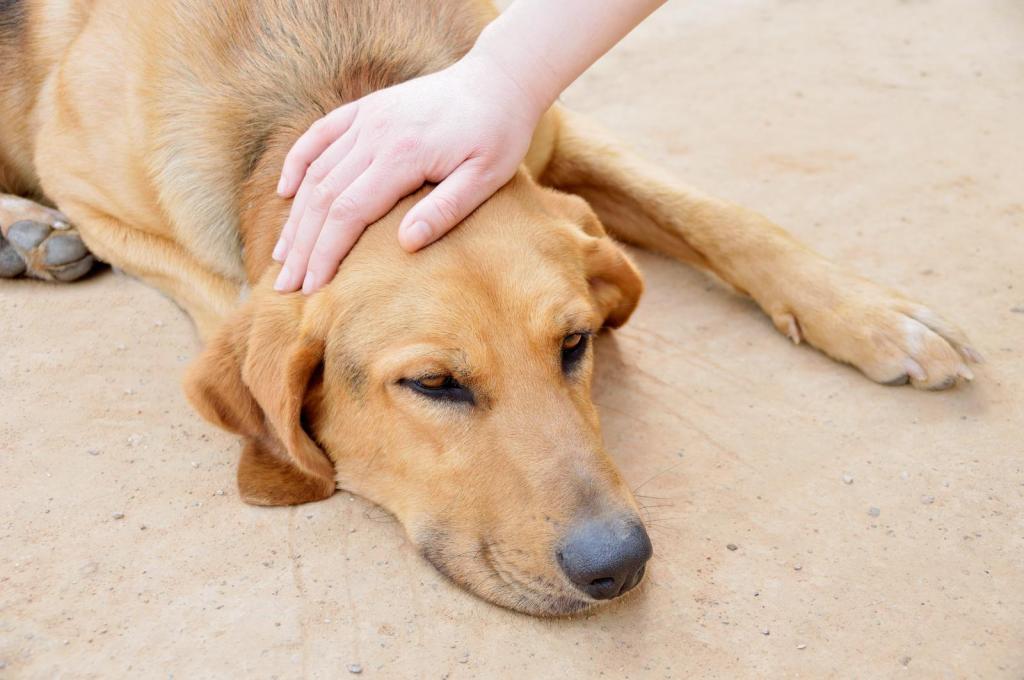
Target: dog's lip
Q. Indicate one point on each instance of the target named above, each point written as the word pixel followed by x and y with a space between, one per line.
pixel 514 593
pixel 539 602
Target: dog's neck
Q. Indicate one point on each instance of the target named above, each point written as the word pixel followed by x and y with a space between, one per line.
pixel 262 213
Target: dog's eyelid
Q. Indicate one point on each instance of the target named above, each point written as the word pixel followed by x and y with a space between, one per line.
pixel 434 374
pixel 583 334
pixel 574 353
pixel 440 387
pixel 570 331
pixel 430 378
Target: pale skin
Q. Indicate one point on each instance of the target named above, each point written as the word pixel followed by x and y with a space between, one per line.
pixel 466 128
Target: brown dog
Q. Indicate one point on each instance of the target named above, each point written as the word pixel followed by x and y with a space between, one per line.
pixel 450 386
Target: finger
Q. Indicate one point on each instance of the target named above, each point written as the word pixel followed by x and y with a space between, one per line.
pixel 312 221
pixel 315 174
pixel 291 225
pixel 366 200
pixel 311 144
pixel 447 205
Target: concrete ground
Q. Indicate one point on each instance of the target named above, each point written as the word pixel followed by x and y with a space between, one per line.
pixel 887 134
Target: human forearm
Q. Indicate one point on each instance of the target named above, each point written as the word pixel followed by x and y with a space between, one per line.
pixel 544 46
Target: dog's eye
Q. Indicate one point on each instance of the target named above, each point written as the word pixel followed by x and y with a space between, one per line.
pixel 439 387
pixel 574 347
pixel 435 382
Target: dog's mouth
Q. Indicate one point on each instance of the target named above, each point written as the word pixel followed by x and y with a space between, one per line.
pixel 490 571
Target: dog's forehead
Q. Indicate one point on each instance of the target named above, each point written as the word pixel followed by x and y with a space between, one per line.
pixel 511 267
pixel 515 281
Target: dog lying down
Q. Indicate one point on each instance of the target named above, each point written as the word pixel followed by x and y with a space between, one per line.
pixel 452 387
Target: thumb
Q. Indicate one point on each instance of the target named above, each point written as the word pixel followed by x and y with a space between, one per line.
pixel 449 203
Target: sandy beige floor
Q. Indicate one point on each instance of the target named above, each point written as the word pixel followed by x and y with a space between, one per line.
pixel 888 134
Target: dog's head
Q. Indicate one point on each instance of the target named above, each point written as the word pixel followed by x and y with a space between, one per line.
pixel 451 387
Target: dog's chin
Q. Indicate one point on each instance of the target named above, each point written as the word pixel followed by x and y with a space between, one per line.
pixel 535 603
pixel 488 574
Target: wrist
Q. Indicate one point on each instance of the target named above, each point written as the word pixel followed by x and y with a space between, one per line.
pixel 491 64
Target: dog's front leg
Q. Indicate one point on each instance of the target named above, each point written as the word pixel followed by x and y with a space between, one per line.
pixel 889 337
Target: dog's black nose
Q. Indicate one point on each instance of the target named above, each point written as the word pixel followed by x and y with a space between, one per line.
pixel 605 557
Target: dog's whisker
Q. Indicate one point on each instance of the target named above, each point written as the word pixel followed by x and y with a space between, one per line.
pixel 657 505
pixel 656 475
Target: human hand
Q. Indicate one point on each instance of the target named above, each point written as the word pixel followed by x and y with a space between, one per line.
pixel 466 128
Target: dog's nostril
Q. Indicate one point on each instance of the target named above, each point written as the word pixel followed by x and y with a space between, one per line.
pixel 605 557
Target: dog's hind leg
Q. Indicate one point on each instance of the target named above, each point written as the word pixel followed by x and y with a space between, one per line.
pixel 39 242
pixel 890 338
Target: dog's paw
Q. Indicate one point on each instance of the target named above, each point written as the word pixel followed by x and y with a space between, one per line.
pixel 891 339
pixel 39 242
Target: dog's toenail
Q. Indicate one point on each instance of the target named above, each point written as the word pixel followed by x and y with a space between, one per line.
pixel 27 234
pixel 895 382
pixel 973 355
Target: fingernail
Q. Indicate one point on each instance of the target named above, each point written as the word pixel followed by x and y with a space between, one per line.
pixel 280 250
pixel 282 279
pixel 280 186
pixel 308 282
pixel 418 235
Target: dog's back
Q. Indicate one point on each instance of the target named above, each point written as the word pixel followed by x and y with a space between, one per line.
pixel 21 75
pixel 202 90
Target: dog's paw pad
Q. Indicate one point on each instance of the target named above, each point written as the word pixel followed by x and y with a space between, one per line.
pixel 28 234
pixel 64 249
pixel 66 257
pixel 11 264
pixel 51 251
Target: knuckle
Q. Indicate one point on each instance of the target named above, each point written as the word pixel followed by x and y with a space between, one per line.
pixel 490 175
pixel 447 208
pixel 344 207
pixel 323 194
pixel 322 252
pixel 318 169
pixel 489 178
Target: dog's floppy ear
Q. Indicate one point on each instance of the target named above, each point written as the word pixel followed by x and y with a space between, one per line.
pixel 252 379
pixel 615 283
